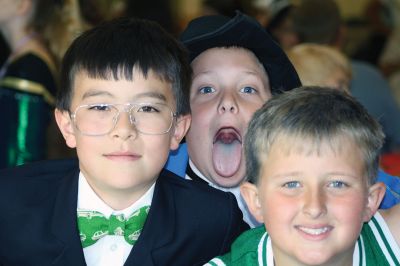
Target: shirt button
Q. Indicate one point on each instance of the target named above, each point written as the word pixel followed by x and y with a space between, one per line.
pixel 113 247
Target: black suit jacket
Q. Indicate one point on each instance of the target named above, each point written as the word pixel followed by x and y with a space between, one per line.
pixel 187 224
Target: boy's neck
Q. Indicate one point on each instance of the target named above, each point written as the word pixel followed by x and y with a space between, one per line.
pixel 121 199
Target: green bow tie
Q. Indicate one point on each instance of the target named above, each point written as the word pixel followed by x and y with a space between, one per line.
pixel 93 225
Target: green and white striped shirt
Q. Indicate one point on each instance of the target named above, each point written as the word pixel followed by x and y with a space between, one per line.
pixel 375 246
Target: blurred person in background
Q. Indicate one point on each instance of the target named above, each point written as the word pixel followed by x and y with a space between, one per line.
pixel 389 60
pixel 156 10
pixel 320 22
pixel 323 65
pixel 94 12
pixel 280 24
pixel 37 33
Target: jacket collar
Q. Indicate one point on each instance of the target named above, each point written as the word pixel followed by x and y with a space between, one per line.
pixel 159 229
pixel 64 222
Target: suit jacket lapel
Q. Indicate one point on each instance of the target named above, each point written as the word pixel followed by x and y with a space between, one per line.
pixel 193 176
pixel 159 228
pixel 64 224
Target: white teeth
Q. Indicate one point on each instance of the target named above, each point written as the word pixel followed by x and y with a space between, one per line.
pixel 314 231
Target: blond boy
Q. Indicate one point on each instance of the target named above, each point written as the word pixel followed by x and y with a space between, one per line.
pixel 312 155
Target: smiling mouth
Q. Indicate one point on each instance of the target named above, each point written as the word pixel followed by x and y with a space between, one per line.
pixel 315 231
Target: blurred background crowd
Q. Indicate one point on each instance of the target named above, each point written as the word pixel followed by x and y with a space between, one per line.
pixel 363 34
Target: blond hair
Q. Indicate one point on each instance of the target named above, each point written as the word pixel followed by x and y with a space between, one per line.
pixel 316 63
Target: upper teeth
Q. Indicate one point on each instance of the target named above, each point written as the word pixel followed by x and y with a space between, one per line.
pixel 314 231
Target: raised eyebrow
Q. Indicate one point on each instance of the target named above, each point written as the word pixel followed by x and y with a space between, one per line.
pixel 201 73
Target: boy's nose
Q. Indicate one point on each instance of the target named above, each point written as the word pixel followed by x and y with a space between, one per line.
pixel 124 127
pixel 228 103
pixel 314 204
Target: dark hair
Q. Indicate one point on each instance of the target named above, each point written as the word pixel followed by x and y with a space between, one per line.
pixel 114 48
pixel 314 115
pixel 317 21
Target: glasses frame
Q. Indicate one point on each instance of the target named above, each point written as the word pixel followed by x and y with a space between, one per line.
pixel 128 108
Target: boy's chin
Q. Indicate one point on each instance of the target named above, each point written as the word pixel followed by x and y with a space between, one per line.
pixel 228 181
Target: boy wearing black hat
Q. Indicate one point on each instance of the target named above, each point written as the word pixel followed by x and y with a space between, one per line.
pixel 236 68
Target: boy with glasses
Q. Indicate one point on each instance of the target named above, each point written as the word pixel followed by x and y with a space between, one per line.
pixel 123 107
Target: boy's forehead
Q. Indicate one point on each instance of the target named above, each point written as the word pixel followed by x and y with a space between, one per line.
pixel 138 85
pixel 231 50
pixel 214 57
pixel 338 145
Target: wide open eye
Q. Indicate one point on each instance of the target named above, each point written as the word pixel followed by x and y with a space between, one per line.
pixel 248 89
pixel 206 90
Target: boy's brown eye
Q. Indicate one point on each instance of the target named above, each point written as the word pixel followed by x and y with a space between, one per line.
pixel 99 107
pixel 147 108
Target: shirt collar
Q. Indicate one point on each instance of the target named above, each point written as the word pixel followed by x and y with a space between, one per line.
pixel 88 200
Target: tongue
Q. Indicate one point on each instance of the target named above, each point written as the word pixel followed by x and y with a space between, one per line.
pixel 226 155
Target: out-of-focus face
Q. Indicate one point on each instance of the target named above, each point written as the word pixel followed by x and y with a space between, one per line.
pixel 285 34
pixel 313 203
pixel 123 162
pixel 229 85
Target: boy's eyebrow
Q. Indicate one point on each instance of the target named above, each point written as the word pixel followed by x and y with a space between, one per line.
pixel 339 173
pixel 206 72
pixel 95 92
pixel 151 94
pixel 333 173
pixel 288 174
pixel 254 73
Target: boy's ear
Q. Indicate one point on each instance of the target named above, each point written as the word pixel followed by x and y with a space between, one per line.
pixel 250 194
pixel 376 192
pixel 65 125
pixel 181 127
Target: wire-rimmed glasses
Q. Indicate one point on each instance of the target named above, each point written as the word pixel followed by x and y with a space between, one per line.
pixel 101 118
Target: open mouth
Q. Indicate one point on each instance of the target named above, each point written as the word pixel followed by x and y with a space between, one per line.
pixel 227 151
pixel 227 136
